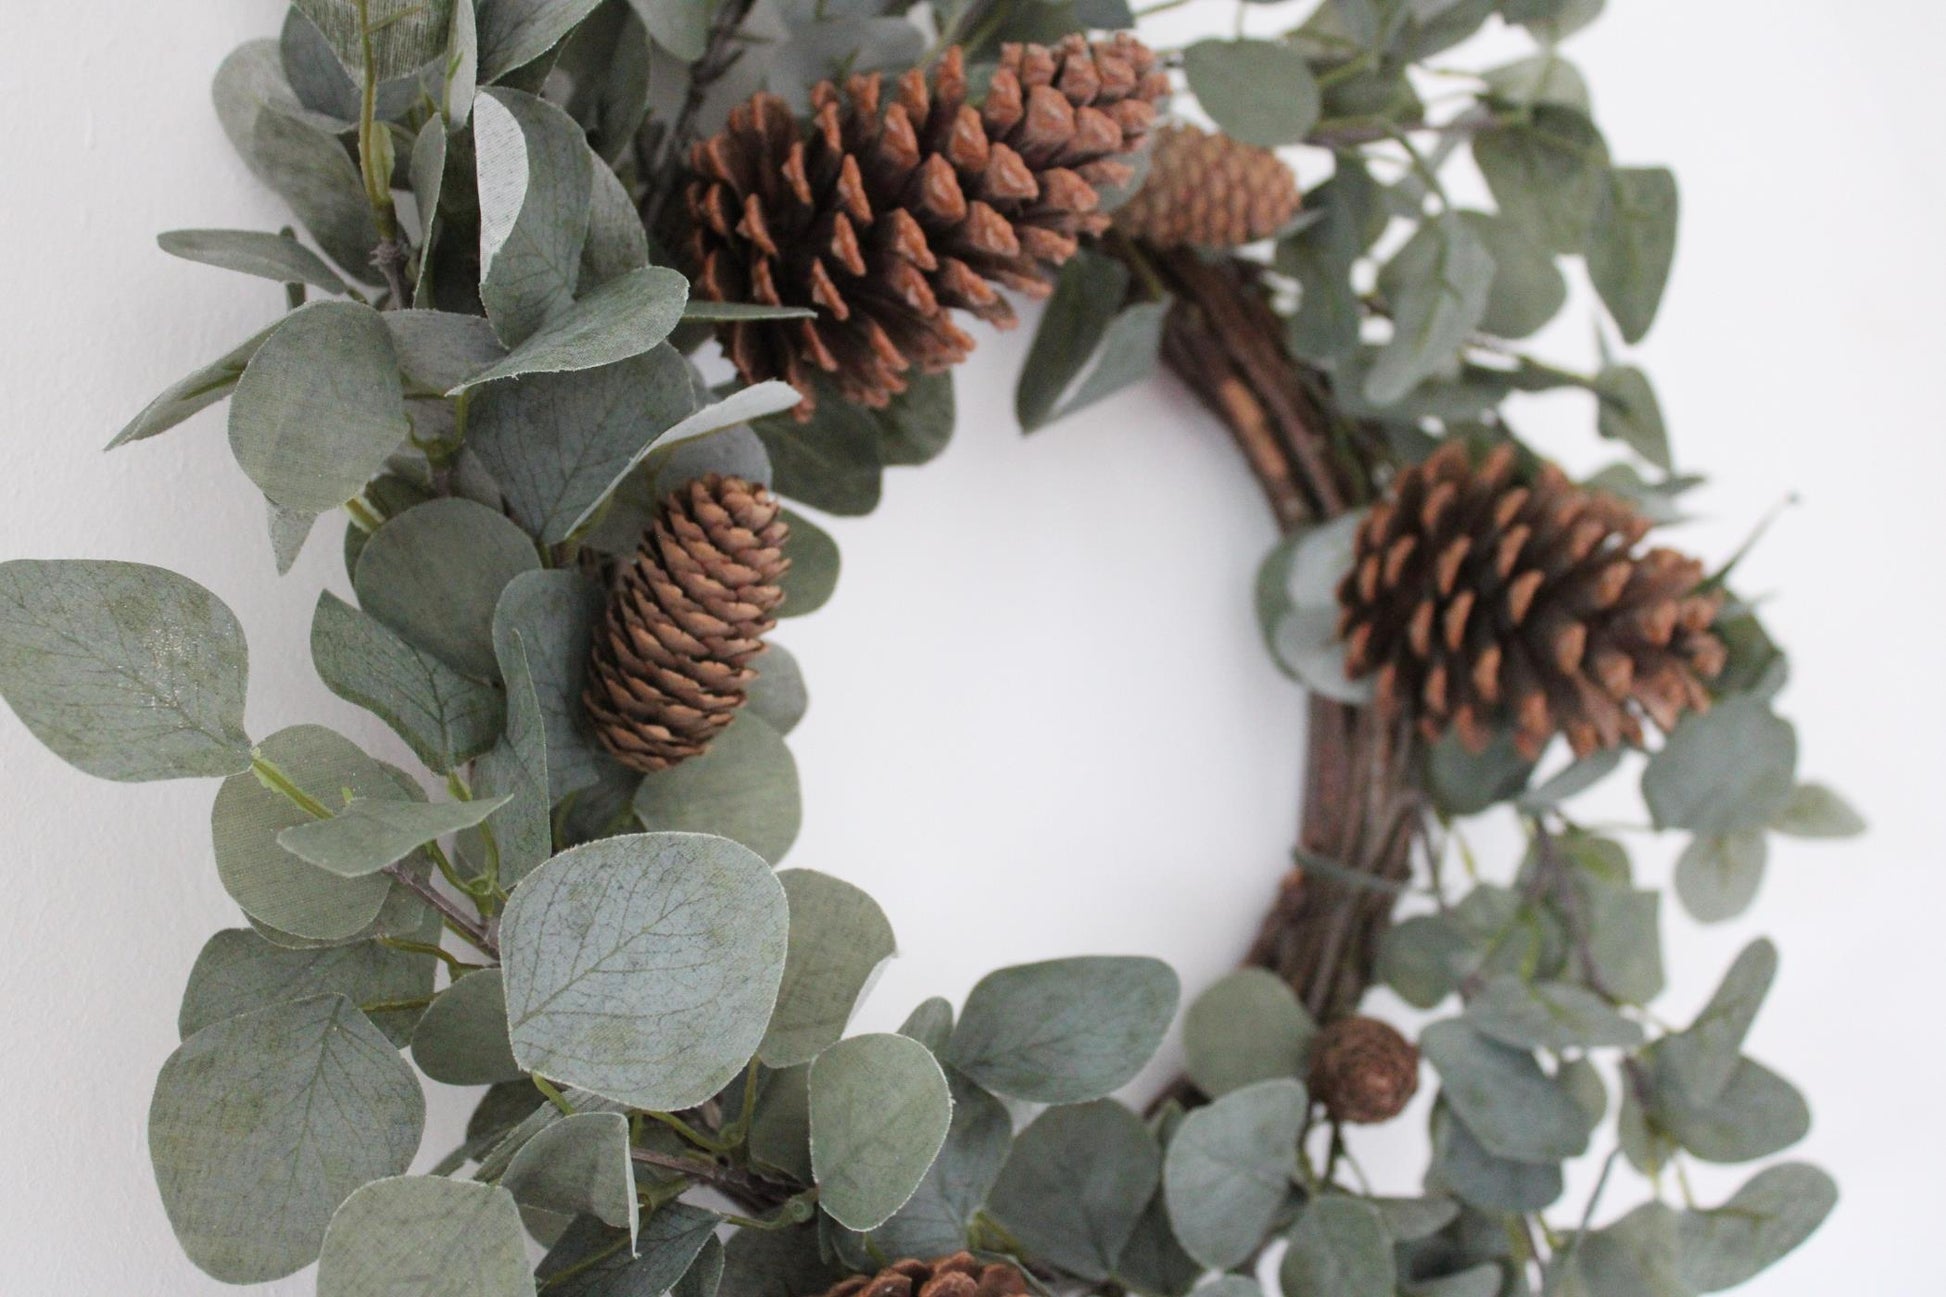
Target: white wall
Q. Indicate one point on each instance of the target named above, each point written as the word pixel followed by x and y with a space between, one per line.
pixel 1041 724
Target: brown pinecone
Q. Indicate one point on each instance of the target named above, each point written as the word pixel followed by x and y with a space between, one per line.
pixel 1363 1071
pixel 1475 599
pixel 883 217
pixel 1209 191
pixel 958 1275
pixel 686 614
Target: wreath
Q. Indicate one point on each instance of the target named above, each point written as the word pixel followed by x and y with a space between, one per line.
pixel 591 288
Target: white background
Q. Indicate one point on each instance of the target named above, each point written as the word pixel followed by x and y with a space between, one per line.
pixel 1041 722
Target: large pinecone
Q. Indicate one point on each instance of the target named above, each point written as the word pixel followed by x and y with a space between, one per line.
pixel 687 613
pixel 959 1275
pixel 1363 1071
pixel 884 217
pixel 1209 191
pixel 1476 599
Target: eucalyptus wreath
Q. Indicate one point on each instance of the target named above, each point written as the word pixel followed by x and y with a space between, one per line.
pixel 527 220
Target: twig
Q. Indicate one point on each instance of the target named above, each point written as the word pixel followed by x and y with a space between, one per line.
pixel 461 922
pixel 719 56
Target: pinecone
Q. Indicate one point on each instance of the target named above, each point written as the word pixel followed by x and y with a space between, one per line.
pixel 1476 600
pixel 1210 191
pixel 959 1275
pixel 686 614
pixel 882 217
pixel 1363 1071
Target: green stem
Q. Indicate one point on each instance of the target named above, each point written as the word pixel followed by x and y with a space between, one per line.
pixel 689 1132
pixel 457 966
pixel 554 1096
pixel 271 776
pixel 396 1006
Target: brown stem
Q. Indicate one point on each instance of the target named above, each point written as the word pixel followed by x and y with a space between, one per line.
pixel 740 1186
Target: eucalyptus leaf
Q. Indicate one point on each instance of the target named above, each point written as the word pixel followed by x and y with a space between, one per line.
pixel 1085 332
pixel 446 718
pixel 780 1130
pixel 1544 78
pixel 1718 877
pixel 778 695
pixel 1443 280
pixel 1725 771
pixel 1064 1031
pixel 1628 412
pixel 1572 780
pixel 192 394
pixel 1076 1183
pixel 617 246
pixel 935 1221
pixel 879 1115
pixel 830 461
pixel 435 574
pixel 1637 1256
pixel 580 1164
pixel 743 787
pixel 370 834
pixel 1528 288
pixel 1701 1059
pixel 1338 1248
pixel 1757 1113
pixel 1815 811
pixel 1261 92
pixel 1297 607
pixel 1514 1108
pixel 704 311
pixel 552 615
pixel 383 38
pixel 1548 1015
pixel 523 828
pixel 1763 1222
pixel 1228 1172
pixel 251 252
pixel 1547 174
pixel 1624 940
pixel 310 169
pixel 679 26
pixel 514 33
pixel 1248 1027
pixel 535 183
pixel 125 671
pixel 839 939
pixel 670 1243
pixel 624 317
pixel 438 349
pixel 240 972
pixel 813 575
pixel 1471 1173
pixel 777 1263
pixel 644 968
pixel 462 1039
pixel 425 1236
pixel 1632 244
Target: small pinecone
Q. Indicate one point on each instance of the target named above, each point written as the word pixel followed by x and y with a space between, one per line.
pixel 1363 1071
pixel 1476 600
pixel 1209 191
pixel 884 217
pixel 686 614
pixel 959 1275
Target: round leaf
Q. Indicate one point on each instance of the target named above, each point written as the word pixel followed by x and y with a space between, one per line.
pixel 744 787
pixel 462 1039
pixel 1338 1248
pixel 426 1236
pixel 434 574
pixel 1228 1171
pixel 240 972
pixel 1064 1031
pixel 1248 1027
pixel 1260 92
pixel 879 1114
pixel 1077 1182
pixel 839 938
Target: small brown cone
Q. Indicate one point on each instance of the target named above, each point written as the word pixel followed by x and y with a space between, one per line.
pixel 686 615
pixel 958 1275
pixel 1363 1071
pixel 1209 191
pixel 884 217
pixel 1477 600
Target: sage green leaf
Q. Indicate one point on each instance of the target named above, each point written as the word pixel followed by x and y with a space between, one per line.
pixel 426 1236
pixel 402 914
pixel 1297 607
pixel 1544 78
pixel 1757 1113
pixel 1246 1028
pixel 1320 257
pixel 552 614
pixel 1418 957
pixel 434 574
pixel 1513 1108
pixel 516 768
pixel 777 1263
pixel 251 252
pixel 1632 244
pixel 622 318
pixel 813 575
pixel 780 1133
pixel 1528 288
pixel 273 1118
pixel 936 1220
pixel 1482 1280
pixel 1410 1219
pixel 269 882
pixel 1624 940
pixel 1547 174
pixel 1548 1015
pixel 1637 1256
pixel 369 834
pixel 123 670
pixel 1701 1059
pixel 1076 1183
pixel 744 787
pixel 930 1023
pixel 320 408
pixel 556 443
pixel 1717 878
pixel 1087 345
pixel 1815 811
pixel 1583 774
pixel 427 169
pixel 289 529
pixel 1728 770
pixel 385 38
pixel 1228 1172
pixel 1627 411
pixel 461 70
pixel 514 33
pixel 839 938
pixel 644 968
pixel 679 26
pixel 831 461
pixel 309 168
pixel 919 422
pixel 617 244
pixel 705 1274
pixel 1064 1031
pixel 1260 92
pixel 1762 1223
pixel 879 1114
pixel 462 1039
pixel 1129 352
pixel 1153 1263
pixel 704 311
pixel 192 394
pixel 443 716
pixel 579 1165
pixel 1442 279
pixel 536 179
pixel 1230 1285
pixel 253 78
pixel 438 349
pixel 1461 1166
pixel 239 972
pixel 778 695
pixel 1466 783
pixel 1338 1248
pixel 1554 21
pixel 670 1243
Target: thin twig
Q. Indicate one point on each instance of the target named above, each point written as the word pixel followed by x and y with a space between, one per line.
pixel 463 923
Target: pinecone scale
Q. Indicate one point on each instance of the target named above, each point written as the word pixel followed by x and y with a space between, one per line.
pixel 958 1275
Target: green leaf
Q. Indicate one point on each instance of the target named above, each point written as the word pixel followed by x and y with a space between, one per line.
pixel 1544 78
pixel 1634 1257
pixel 777 1263
pixel 270 1120
pixel 704 311
pixel 393 38
pixel 1725 771
pixel 1297 607
pixel 935 1221
pixel 1762 1223
pixel 778 695
pixel 1490 1183
pixel 126 671
pixel 1717 878
pixel 367 835
pixel 1701 1059
pixel 536 179
pixel 1260 92
pixel 523 829
pixel 289 529
pixel 438 349
pixel 1757 1113
pixel 1528 288
pixel 839 938
pixel 552 615
pixel 813 575
pixel 444 717
pixel 1572 780
pixel 1246 1028
pixel 1087 297
pixel 310 169
pixel 879 1114
pixel 1546 174
pixel 780 1132
pixel 1466 783
pixel 320 407
pixel 513 33
pixel 239 972
pixel 463 1040
pixel 831 461
pixel 1338 1248
pixel 1228 1172
pixel 930 1023
pixel 435 573
pixel 1066 1030
pixel 251 252
pixel 1548 1015
pixel 1624 940
pixel 1078 1180
pixel 192 394
pixel 744 787
pixel 671 1242
pixel 1632 244
pixel 617 245
pixel 1627 411
pixel 577 1165
pixel 1513 1108
pixel 426 1236
pixel 1153 1262
pixel 644 968
pixel 1439 284
pixel 1410 1219
pixel 1418 958
pixel 679 26
pixel 1815 811
pixel 624 317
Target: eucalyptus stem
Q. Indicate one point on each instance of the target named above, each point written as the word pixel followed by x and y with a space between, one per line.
pixel 466 925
